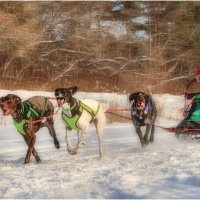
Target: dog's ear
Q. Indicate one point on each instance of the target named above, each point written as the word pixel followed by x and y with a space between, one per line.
pixel 18 99
pixel 14 97
pixel 133 96
pixel 72 89
pixel 1 99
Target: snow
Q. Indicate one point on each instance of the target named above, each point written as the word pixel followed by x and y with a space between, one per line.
pixel 167 168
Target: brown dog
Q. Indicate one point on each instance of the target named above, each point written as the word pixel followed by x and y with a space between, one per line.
pixel 25 113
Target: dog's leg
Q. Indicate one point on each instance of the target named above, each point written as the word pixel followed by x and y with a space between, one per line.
pixel 152 133
pixel 151 139
pixel 50 125
pixel 146 136
pixel 70 149
pixel 34 152
pixel 137 129
pixel 30 149
pixel 80 143
pixel 153 122
pixel 100 132
pixel 81 136
pixel 31 134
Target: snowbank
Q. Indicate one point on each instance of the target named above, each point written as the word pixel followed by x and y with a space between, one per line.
pixel 169 106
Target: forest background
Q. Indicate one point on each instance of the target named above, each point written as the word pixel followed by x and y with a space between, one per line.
pixel 118 46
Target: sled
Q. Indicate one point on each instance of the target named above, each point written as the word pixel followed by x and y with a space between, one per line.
pixel 188 129
pixel 190 126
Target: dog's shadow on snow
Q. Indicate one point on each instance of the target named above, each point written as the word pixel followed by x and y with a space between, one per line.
pixel 119 194
pixel 12 161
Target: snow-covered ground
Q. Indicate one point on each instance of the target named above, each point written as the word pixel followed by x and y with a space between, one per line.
pixel 167 168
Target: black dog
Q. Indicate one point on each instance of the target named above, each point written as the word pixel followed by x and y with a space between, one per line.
pixel 143 113
pixel 24 114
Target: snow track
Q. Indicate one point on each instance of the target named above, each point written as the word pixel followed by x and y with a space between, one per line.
pixel 167 168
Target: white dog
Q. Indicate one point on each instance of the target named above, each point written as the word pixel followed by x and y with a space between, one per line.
pixel 78 115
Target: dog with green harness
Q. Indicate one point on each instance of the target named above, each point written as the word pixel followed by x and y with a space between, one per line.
pixel 78 114
pixel 25 113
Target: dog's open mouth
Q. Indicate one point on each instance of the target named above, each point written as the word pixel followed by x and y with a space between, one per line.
pixel 6 112
pixel 60 101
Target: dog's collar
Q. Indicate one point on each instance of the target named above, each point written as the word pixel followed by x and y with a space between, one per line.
pixel 18 115
pixel 76 103
pixel 27 109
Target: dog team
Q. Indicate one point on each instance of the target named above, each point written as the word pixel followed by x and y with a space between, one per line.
pixel 38 111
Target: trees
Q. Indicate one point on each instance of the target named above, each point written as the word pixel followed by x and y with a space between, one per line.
pixel 112 46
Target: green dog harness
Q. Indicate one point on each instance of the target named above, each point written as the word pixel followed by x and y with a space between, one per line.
pixel 72 121
pixel 31 111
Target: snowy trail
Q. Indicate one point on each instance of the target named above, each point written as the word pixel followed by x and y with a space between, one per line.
pixel 167 168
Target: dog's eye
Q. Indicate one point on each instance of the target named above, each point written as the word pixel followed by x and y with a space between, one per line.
pixel 60 98
pixel 8 101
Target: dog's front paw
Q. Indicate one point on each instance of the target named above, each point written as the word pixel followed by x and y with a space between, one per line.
pixel 145 140
pixel 26 161
pixel 38 160
pixel 82 144
pixel 151 140
pixel 72 151
pixel 57 145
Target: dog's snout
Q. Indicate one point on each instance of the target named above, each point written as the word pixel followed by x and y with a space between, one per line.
pixel 3 108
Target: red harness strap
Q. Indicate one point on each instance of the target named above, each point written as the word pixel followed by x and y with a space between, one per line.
pixel 44 118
